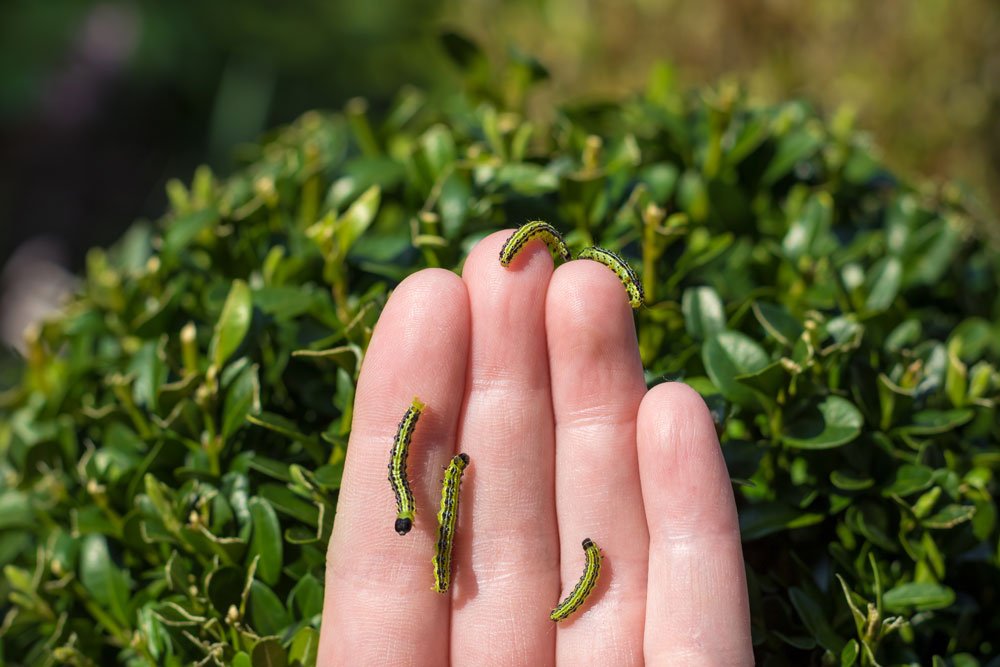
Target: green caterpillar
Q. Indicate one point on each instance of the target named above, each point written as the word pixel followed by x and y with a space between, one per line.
pixel 536 229
pixel 447 520
pixel 633 286
pixel 397 468
pixel 583 588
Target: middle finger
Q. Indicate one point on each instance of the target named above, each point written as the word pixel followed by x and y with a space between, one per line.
pixel 506 551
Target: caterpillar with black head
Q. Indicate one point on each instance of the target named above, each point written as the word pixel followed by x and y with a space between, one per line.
pixel 447 521
pixel 583 588
pixel 405 510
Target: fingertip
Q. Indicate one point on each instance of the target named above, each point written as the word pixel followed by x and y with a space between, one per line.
pixel 430 302
pixel 487 250
pixel 697 586
pixel 423 329
pixel 685 482
pixel 672 412
pixel 485 256
pixel 593 348
pixel 432 282
pixel 586 295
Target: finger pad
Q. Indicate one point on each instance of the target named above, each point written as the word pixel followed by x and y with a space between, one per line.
pixel 685 481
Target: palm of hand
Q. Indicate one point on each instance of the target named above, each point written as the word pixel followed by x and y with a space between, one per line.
pixel 535 374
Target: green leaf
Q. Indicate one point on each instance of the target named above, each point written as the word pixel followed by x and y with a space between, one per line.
pixel 849 654
pixel 18 579
pixel 768 382
pixel 285 302
pixel 266 541
pixel 281 425
pixel 854 602
pixel 832 422
pixel 15 510
pixel 918 596
pixel 729 354
pixel 762 519
pixel 267 614
pixel 453 204
pixel 184 229
pixel 950 516
pixel 848 480
pixel 233 323
pixel 792 148
pixel 438 149
pixel 969 660
pixel 269 467
pixel 692 196
pixel 910 479
pixel 809 235
pixel 269 653
pixel 106 583
pixel 815 619
pixel 661 179
pixel 307 597
pixel 904 336
pixel 329 476
pixel 883 284
pixel 357 218
pixel 242 399
pixel 704 314
pixel 347 357
pixel 777 322
pixel 971 340
pixel 305 647
pixel 936 422
pixel 150 370
pixel 286 502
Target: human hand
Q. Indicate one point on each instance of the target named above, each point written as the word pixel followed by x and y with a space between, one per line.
pixel 536 375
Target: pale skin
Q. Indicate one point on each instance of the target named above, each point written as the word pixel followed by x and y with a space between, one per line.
pixel 534 372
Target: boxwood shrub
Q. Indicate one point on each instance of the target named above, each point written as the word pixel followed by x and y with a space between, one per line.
pixel 172 446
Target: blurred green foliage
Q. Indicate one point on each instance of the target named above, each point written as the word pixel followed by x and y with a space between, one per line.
pixel 923 77
pixel 187 45
pixel 104 100
pixel 194 401
pixel 101 101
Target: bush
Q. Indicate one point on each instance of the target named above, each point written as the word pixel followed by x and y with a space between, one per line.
pixel 171 452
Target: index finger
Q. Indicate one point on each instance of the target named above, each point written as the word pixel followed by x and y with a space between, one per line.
pixel 379 607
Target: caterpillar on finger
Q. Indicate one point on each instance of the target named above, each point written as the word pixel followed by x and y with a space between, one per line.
pixel 536 229
pixel 583 588
pixel 628 277
pixel 397 467
pixel 447 520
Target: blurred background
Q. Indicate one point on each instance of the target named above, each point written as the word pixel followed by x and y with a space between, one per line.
pixel 101 102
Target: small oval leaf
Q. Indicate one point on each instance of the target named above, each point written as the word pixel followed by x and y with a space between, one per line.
pixel 704 314
pixel 233 324
pixel 910 478
pixel 266 541
pixel 919 596
pixel 305 647
pixel 832 422
pixel 268 615
pixel 106 583
pixel 729 354
pixel 268 653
